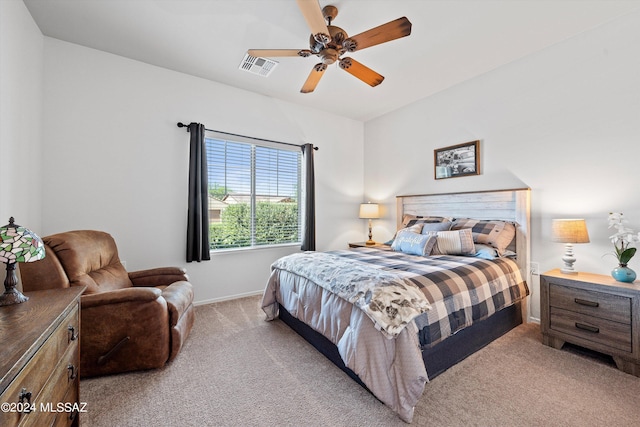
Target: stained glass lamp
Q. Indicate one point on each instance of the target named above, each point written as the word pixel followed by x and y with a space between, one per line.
pixel 17 244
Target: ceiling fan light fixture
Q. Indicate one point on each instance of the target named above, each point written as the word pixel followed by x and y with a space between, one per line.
pixel 329 56
pixel 257 65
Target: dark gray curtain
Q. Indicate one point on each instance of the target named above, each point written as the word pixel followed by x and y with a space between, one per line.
pixel 198 212
pixel 309 220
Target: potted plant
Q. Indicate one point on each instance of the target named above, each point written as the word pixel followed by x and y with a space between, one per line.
pixel 622 239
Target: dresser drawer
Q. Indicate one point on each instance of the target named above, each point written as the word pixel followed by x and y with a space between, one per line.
pixel 71 399
pixel 37 372
pixel 598 304
pixel 602 331
pixel 64 377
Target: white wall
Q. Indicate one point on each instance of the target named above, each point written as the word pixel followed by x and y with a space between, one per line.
pixel 564 122
pixel 21 79
pixel 115 160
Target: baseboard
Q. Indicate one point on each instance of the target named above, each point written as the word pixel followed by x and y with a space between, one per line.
pixel 227 298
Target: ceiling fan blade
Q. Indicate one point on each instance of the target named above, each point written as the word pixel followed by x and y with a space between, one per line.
pixel 360 71
pixel 392 30
pixel 268 53
pixel 315 20
pixel 314 77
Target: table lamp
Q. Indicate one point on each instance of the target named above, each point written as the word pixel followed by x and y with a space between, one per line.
pixel 369 211
pixel 17 244
pixel 569 231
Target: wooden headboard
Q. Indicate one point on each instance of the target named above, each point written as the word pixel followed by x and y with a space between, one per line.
pixel 509 205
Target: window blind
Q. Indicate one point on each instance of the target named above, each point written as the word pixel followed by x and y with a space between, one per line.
pixel 254 194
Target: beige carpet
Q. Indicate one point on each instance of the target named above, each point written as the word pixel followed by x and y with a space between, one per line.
pixel 238 370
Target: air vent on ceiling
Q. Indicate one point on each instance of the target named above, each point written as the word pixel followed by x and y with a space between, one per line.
pixel 259 66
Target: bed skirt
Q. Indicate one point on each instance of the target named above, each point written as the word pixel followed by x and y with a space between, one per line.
pixel 437 359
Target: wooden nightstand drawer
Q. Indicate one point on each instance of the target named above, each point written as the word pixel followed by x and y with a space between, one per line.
pixel 599 304
pixel 612 334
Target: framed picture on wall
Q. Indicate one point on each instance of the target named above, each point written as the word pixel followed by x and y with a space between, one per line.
pixel 457 160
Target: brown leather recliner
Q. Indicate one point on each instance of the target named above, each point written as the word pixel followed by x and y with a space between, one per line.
pixel 129 321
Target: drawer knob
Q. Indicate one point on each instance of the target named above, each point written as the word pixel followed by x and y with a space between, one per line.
pixel 73 372
pixel 586 302
pixel 73 332
pixel 587 328
pixel 25 395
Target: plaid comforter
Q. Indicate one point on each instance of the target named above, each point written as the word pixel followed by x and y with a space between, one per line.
pixel 461 290
pixel 388 299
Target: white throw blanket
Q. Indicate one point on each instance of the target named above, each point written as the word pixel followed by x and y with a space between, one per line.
pixel 388 299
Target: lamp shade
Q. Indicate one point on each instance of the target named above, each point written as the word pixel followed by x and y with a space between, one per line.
pixel 569 231
pixel 369 210
pixel 19 244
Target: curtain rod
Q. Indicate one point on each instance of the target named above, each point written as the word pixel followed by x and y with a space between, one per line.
pixel 182 125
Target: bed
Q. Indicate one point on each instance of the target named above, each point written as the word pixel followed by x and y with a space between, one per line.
pixel 395 319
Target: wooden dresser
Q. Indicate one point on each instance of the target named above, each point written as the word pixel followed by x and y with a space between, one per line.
pixel 39 359
pixel 592 311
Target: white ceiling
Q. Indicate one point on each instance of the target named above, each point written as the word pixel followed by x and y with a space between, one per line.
pixel 451 41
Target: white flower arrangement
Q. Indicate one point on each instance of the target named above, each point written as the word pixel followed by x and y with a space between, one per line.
pixel 623 237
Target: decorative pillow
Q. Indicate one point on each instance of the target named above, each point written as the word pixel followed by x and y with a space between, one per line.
pixel 435 226
pixel 409 220
pixel 416 228
pixel 453 242
pixel 486 251
pixel 413 243
pixel 489 252
pixel 498 234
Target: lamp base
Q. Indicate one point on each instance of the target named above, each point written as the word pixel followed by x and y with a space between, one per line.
pixel 370 242
pixel 568 259
pixel 12 296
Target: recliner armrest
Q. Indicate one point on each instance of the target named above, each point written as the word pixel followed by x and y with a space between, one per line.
pixel 120 296
pixel 179 297
pixel 162 276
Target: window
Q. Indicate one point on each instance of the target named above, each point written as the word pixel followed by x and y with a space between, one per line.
pixel 254 193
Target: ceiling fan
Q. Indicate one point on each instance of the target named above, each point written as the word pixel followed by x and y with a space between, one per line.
pixel 330 42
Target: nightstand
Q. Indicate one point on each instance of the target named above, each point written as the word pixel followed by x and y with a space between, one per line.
pixel 592 311
pixel 364 245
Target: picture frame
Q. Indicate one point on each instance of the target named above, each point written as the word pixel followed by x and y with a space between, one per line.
pixel 457 160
